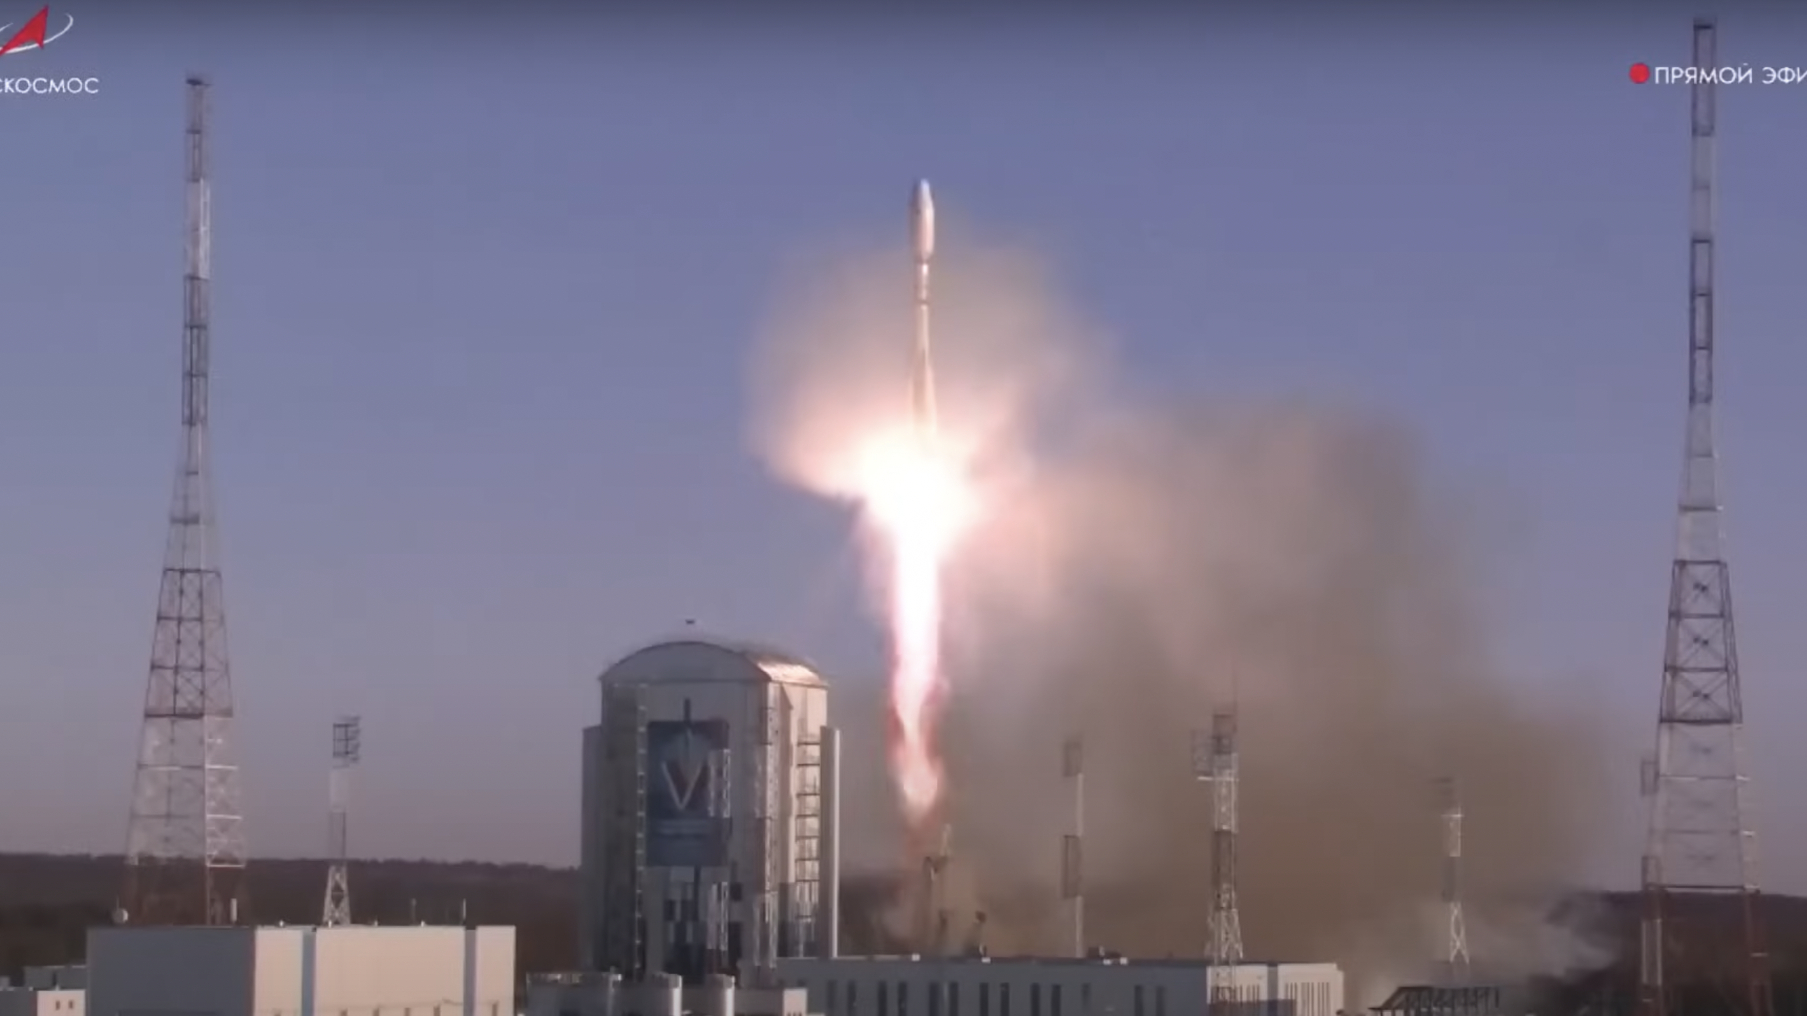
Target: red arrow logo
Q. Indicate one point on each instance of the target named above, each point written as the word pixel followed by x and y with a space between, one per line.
pixel 31 36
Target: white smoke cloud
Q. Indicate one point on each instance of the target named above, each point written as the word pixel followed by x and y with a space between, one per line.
pixel 1137 559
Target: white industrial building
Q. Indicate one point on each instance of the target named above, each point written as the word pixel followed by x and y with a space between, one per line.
pixel 710 814
pixel 345 970
pixel 590 994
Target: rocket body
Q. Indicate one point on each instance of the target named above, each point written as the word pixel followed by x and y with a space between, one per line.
pixel 922 369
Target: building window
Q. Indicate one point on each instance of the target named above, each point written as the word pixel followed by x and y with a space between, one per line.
pixel 903 998
pixel 834 990
pixel 884 998
pixel 934 998
pixel 1141 1010
pixel 1054 999
pixel 953 999
pixel 1085 999
pixel 1160 1000
pixel 853 998
pixel 1035 999
pixel 985 998
pixel 1004 999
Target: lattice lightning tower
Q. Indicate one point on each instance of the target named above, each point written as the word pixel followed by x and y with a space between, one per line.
pixel 185 861
pixel 348 751
pixel 1456 967
pixel 1215 761
pixel 1072 845
pixel 1701 927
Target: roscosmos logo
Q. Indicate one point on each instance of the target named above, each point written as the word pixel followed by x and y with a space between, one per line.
pixel 36 33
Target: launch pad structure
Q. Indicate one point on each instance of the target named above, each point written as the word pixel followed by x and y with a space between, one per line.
pixel 1216 762
pixel 749 713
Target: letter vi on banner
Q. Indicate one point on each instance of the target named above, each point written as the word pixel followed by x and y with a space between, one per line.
pixel 686 784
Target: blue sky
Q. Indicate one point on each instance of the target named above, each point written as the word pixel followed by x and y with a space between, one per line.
pixel 483 312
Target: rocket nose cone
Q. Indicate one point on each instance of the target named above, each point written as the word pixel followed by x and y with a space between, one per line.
pixel 922 220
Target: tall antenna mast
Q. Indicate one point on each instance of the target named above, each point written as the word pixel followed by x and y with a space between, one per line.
pixel 1456 967
pixel 1701 923
pixel 1072 846
pixel 348 751
pixel 1215 761
pixel 185 861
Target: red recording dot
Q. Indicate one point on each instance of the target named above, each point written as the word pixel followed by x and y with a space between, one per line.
pixel 1640 73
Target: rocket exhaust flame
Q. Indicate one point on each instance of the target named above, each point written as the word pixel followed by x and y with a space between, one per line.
pixel 916 500
pixel 1131 535
pixel 906 465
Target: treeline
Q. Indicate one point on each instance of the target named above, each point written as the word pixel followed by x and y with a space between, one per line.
pixel 48 902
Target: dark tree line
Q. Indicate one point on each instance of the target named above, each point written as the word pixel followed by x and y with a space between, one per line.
pixel 47 902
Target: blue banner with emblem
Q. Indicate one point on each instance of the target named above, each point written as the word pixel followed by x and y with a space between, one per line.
pixel 686 794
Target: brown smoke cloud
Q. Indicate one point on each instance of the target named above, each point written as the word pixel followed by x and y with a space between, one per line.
pixel 1142 563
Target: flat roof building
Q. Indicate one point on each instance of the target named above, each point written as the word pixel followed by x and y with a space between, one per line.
pixel 347 970
pixel 961 986
pixel 1035 986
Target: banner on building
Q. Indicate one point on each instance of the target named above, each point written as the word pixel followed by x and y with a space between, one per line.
pixel 686 793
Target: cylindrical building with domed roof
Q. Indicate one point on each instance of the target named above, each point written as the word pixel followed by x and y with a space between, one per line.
pixel 710 814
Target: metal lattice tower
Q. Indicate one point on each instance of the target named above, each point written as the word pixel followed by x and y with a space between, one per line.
pixel 1072 845
pixel 1456 966
pixel 185 861
pixel 348 751
pixel 1215 761
pixel 1701 927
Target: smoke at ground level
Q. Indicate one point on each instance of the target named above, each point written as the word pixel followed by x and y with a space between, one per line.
pixel 1293 563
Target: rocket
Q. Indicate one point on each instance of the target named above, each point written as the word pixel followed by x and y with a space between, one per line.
pixel 922 369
